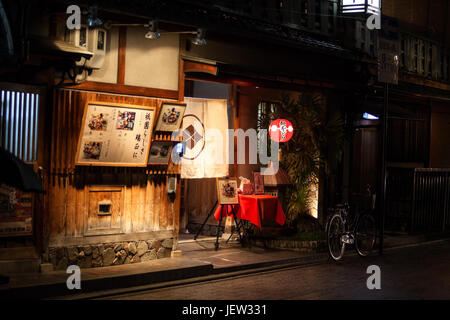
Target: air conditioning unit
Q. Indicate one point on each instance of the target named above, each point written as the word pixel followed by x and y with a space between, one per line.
pixel 97 45
pixel 93 40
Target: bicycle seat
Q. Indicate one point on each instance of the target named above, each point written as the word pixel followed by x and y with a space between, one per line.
pixel 342 206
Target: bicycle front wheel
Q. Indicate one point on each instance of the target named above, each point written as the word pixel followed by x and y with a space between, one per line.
pixel 365 235
pixel 336 230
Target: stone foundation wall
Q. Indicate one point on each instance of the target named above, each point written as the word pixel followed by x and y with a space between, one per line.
pixel 108 254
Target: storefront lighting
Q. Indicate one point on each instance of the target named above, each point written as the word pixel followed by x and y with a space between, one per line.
pixel 153 33
pixel 369 116
pixel 92 18
pixel 281 130
pixel 361 6
pixel 200 39
pixel 179 148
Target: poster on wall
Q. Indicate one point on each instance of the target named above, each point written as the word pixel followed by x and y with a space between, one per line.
pixel 115 135
pixel 16 212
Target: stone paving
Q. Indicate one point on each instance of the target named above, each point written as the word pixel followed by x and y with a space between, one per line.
pixel 420 272
pixel 199 258
pixel 233 255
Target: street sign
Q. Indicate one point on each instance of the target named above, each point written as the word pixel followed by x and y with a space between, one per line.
pixel 388 51
pixel 388 60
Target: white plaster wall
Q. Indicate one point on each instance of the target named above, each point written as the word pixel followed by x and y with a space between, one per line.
pixel 152 63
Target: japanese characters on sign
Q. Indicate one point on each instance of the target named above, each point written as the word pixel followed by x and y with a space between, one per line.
pixel 16 212
pixel 388 60
pixel 115 135
pixel 281 130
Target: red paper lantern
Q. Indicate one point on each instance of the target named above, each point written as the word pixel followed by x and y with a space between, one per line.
pixel 281 130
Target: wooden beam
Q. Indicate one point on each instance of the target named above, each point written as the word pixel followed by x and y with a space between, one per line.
pixel 122 53
pixel 124 89
pixel 191 66
pixel 423 82
pixel 261 81
pixel 181 79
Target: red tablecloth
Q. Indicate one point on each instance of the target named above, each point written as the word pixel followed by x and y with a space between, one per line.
pixel 254 208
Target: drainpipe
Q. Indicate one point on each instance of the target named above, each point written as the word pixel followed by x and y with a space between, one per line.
pixel 383 165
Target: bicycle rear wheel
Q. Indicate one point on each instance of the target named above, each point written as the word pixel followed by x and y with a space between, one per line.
pixel 365 235
pixel 336 229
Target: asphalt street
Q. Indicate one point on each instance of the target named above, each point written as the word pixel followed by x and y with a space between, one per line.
pixel 415 272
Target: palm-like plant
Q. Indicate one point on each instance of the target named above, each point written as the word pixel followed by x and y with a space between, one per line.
pixel 307 152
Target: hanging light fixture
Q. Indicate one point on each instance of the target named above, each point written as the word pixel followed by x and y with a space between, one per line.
pixel 361 6
pixel 152 33
pixel 92 18
pixel 200 39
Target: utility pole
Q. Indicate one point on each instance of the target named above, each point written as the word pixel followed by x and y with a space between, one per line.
pixel 388 61
pixel 383 165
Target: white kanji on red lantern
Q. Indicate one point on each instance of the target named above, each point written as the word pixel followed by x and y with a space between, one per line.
pixel 281 130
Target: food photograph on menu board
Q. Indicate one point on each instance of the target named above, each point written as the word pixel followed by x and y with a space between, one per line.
pixel 170 117
pixel 115 135
pixel 160 152
pixel 227 191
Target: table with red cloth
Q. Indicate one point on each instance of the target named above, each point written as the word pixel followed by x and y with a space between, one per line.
pixel 255 208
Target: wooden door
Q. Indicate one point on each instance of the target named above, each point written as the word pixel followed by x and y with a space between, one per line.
pixel 365 163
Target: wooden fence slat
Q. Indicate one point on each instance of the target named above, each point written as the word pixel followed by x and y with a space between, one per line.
pixel 23 152
pixel 10 121
pixel 57 137
pixel 69 132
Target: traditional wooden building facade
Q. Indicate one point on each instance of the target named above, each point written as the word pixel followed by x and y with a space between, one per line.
pixel 255 51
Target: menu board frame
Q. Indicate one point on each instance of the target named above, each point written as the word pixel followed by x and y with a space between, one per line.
pixel 161 126
pixel 127 108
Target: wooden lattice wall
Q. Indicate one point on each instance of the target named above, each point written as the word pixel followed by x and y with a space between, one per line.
pixel 146 207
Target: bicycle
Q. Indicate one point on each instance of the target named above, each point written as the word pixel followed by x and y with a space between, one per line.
pixel 341 231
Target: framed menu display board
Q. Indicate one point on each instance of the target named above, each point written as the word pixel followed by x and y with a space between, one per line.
pixel 115 135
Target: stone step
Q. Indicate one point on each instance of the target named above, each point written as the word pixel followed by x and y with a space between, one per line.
pixel 19 260
pixel 18 253
pixel 54 284
pixel 19 266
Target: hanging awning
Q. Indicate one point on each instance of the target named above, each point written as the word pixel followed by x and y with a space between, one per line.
pixel 43 45
pixel 16 173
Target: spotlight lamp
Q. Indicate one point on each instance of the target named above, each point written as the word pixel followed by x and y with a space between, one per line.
pixel 92 17
pixel 200 39
pixel 152 33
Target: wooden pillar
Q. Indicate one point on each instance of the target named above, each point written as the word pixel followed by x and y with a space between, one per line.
pixel 122 54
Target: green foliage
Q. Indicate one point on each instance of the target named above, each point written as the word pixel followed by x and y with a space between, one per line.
pixel 299 201
pixel 317 138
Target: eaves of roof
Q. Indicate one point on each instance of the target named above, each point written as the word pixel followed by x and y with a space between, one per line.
pixel 222 21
